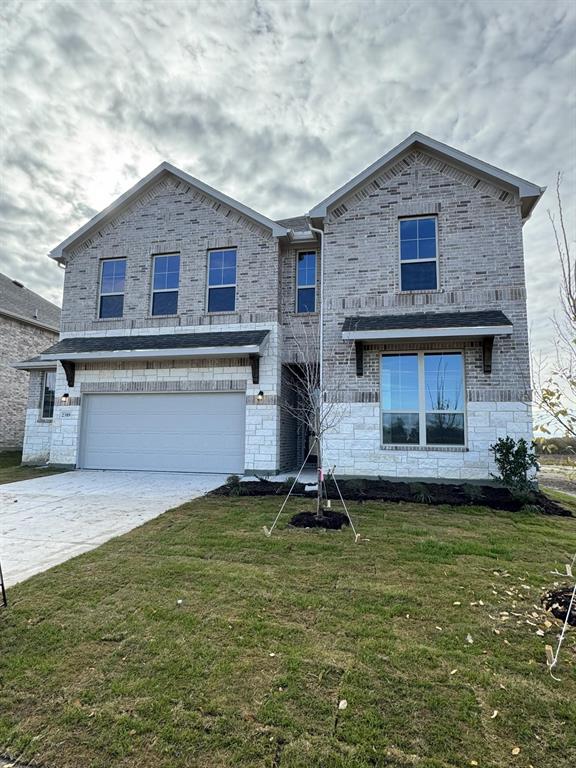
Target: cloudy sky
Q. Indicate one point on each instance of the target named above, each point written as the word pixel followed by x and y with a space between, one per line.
pixel 274 103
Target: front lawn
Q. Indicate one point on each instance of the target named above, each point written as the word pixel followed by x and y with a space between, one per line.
pixel 12 472
pixel 427 628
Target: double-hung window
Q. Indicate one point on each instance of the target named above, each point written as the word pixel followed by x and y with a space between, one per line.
pixel 422 397
pixel 306 282
pixel 222 280
pixel 47 394
pixel 112 280
pixel 418 254
pixel 165 278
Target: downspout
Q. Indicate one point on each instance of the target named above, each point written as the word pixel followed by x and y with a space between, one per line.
pixel 320 232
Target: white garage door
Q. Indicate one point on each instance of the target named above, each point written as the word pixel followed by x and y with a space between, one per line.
pixel 200 432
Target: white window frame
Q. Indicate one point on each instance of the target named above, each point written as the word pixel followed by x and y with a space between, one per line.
pixel 418 261
pixel 228 285
pixel 314 285
pixel 43 395
pixel 164 290
pixel 422 412
pixel 114 293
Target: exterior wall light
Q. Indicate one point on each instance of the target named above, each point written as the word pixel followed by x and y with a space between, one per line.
pixel 260 396
pixel 64 399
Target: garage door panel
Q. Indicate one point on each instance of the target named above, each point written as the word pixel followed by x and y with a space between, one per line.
pixel 187 432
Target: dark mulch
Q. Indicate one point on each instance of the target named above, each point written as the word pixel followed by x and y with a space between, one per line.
pixel 329 519
pixel 376 489
pixel 557 601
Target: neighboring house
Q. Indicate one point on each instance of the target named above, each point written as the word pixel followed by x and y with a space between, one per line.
pixel 181 307
pixel 28 323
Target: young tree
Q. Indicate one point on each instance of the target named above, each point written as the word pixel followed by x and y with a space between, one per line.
pixel 555 375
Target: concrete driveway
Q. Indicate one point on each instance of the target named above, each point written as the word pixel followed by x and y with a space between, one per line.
pixel 51 519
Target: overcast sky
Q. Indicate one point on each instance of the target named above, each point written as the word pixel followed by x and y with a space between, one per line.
pixel 275 104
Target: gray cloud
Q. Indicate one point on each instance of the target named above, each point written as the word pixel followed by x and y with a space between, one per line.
pixel 276 104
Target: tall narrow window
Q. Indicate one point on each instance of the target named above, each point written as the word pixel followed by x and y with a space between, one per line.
pixel 47 394
pixel 222 280
pixel 306 282
pixel 166 275
pixel 112 280
pixel 418 254
pixel 422 396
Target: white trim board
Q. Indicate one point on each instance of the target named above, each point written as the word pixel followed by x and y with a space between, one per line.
pixel 153 354
pixel 427 333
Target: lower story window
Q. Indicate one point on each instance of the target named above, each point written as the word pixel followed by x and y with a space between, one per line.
pixel 48 388
pixel 422 397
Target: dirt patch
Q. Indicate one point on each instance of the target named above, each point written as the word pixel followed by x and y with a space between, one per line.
pixel 329 519
pixel 376 489
pixel 557 601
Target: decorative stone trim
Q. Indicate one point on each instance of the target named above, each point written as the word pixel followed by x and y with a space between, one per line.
pixel 489 395
pixel 427 448
pixel 164 364
pixel 122 387
pixel 71 401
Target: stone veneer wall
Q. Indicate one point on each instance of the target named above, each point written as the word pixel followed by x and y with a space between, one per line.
pixel 262 418
pixel 38 431
pixel 18 341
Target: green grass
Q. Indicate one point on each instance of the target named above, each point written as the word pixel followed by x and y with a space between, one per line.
pixel 101 668
pixel 568 501
pixel 12 472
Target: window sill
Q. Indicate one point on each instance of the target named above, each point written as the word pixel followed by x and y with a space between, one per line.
pixel 109 319
pixel 419 291
pixel 306 314
pixel 45 420
pixel 228 312
pixel 156 317
pixel 441 448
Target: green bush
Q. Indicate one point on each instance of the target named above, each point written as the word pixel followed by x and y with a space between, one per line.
pixel 514 460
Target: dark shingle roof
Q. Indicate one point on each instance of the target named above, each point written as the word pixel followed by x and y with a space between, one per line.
pixel 426 320
pixel 17 300
pixel 156 342
pixel 297 223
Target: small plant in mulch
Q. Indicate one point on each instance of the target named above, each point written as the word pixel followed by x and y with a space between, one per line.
pixel 557 602
pixel 328 518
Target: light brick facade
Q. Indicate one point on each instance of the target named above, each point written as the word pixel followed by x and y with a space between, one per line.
pixel 480 258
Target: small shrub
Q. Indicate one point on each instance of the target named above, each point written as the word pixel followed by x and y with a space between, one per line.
pixel 421 493
pixel 473 493
pixel 514 460
pixel 234 485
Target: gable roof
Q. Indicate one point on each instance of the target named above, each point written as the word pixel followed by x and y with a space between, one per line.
pixel 144 184
pixel 529 193
pixel 20 303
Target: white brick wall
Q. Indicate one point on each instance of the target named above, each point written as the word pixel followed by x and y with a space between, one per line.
pixel 354 445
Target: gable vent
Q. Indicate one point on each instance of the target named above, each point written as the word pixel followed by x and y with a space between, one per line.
pixel 504 196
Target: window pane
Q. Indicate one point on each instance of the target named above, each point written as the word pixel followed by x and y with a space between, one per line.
pixel 445 428
pixel 408 229
pixel 165 303
pixel 400 428
pixel 221 299
pixel 306 300
pixel 307 268
pixel 408 249
pixel 418 277
pixel 426 228
pixel 229 276
pixel 113 274
pixel 229 259
pixel 399 382
pixel 111 306
pixel 216 258
pixel 215 277
pixel 444 382
pixel 427 249
pixel 48 395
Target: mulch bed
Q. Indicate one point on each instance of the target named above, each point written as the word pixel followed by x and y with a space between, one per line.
pixel 376 489
pixel 557 601
pixel 329 519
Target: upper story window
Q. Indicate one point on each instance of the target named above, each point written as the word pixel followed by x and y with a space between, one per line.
pixel 422 397
pixel 47 394
pixel 112 280
pixel 418 254
pixel 222 280
pixel 306 282
pixel 165 279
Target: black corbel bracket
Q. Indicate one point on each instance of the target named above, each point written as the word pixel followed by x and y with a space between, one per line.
pixel 69 370
pixel 255 366
pixel 487 347
pixel 359 358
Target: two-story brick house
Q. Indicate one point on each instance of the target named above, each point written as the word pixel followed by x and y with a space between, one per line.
pixel 182 310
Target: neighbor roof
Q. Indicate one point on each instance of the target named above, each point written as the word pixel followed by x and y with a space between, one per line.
pixel 141 186
pixel 529 193
pixel 22 304
pixel 240 341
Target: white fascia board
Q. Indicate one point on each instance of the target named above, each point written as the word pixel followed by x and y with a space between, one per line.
pixel 36 364
pixel 525 188
pixel 165 167
pixel 427 333
pixel 153 354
